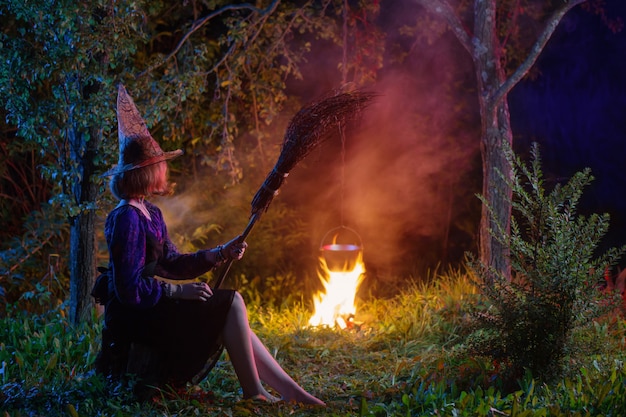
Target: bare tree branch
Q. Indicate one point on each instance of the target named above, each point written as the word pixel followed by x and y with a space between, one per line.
pixel 297 14
pixel 443 9
pixel 536 50
pixel 201 22
pixel 28 254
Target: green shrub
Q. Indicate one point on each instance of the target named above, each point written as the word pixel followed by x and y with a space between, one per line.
pixel 554 285
pixel 33 266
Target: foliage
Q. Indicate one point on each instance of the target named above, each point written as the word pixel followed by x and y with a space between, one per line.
pixel 22 189
pixel 371 370
pixel 46 366
pixel 529 320
pixel 208 77
pixel 221 74
pixel 60 61
pixel 56 81
pixel 21 258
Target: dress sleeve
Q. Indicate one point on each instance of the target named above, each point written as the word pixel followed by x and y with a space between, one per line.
pixel 178 266
pixel 127 249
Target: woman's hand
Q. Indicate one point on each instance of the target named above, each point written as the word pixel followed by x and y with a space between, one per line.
pixel 199 291
pixel 234 249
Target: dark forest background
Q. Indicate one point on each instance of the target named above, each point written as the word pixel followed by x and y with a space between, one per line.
pixel 407 181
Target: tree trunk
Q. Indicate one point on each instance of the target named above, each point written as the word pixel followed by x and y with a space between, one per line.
pixel 496 135
pixel 82 265
pixel 495 220
pixel 82 228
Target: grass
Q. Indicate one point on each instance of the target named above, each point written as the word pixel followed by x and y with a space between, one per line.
pixel 404 360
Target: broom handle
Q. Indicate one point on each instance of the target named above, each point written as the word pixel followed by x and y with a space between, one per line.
pixel 243 237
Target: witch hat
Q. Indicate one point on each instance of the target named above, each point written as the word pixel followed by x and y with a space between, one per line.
pixel 137 146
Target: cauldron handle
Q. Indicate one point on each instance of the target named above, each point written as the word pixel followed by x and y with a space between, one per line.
pixel 360 245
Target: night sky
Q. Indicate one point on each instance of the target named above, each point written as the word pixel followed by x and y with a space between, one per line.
pixel 576 111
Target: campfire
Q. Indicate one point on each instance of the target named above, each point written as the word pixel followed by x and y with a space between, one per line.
pixel 335 304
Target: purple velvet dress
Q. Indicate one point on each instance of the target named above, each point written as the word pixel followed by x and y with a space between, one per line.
pixel 185 333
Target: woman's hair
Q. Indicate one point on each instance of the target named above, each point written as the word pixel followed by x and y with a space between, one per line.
pixel 141 182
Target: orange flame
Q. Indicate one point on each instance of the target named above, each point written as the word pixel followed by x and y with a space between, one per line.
pixel 336 303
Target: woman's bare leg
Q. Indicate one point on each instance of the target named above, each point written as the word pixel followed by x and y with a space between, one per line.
pixel 236 338
pixel 253 362
pixel 275 376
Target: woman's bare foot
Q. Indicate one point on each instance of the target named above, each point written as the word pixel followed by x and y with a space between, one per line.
pixel 301 396
pixel 266 398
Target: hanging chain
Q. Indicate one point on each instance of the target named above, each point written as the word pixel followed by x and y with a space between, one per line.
pixel 343 169
pixel 344 79
pixel 344 68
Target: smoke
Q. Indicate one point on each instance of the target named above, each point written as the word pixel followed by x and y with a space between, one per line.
pixel 406 181
pixel 402 176
pixel 203 209
pixel 180 209
pixel 408 178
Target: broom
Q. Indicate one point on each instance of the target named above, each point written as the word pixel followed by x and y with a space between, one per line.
pixel 309 127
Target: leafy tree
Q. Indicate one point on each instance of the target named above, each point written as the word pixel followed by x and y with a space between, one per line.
pixel 557 275
pixel 504 40
pixel 59 65
pixel 29 233
pixel 208 76
pixel 234 127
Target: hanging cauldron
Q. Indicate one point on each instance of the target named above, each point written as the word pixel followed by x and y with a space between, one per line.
pixel 341 248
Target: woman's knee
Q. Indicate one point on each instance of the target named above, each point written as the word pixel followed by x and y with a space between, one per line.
pixel 238 300
pixel 239 305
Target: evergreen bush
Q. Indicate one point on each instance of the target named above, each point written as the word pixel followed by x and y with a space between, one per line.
pixel 555 283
